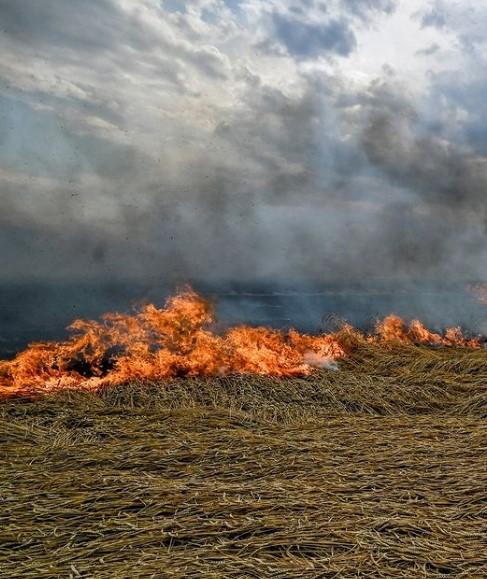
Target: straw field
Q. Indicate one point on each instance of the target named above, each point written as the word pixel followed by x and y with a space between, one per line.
pixel 378 469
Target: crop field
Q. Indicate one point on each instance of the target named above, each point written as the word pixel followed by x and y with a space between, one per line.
pixel 377 469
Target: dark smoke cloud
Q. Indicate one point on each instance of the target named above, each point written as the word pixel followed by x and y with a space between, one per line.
pixel 439 226
pixel 437 171
pixel 132 148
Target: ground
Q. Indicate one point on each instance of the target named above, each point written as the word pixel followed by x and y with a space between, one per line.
pixel 376 470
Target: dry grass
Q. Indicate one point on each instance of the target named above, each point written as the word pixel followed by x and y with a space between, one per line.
pixel 378 470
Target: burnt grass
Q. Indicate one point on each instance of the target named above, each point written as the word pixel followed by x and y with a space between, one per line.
pixel 378 469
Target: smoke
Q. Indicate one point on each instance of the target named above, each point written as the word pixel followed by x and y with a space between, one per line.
pixel 276 193
pixel 222 142
pixel 439 223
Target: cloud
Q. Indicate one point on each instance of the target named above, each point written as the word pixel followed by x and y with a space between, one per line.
pixel 442 217
pixel 434 17
pixel 174 5
pixel 317 29
pixel 307 39
pixel 465 20
pixel 364 8
pixel 111 32
pixel 429 50
pixel 436 169
pixel 143 140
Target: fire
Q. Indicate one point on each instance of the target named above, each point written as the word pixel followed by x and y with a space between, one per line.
pixel 394 330
pixel 156 344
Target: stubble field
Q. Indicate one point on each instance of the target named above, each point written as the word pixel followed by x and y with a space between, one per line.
pixel 378 469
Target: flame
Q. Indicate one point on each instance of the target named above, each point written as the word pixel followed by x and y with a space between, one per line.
pixel 394 330
pixel 156 344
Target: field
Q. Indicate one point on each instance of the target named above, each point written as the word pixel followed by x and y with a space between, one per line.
pixel 378 469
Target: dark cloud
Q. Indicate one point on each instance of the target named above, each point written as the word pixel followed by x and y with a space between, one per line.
pixel 435 170
pixel 429 50
pixel 98 29
pixel 437 224
pixel 233 4
pixel 304 39
pixel 94 24
pixel 305 36
pixel 435 17
pixel 287 199
pixel 322 182
pixel 174 5
pixel 463 20
pixel 469 97
pixel 364 8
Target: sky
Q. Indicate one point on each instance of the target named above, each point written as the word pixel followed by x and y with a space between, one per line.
pixel 249 140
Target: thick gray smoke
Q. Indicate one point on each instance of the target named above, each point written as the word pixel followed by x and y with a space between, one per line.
pixel 229 141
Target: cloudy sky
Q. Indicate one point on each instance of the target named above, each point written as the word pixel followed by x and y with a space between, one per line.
pixel 243 139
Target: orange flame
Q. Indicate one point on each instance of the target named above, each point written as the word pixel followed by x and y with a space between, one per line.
pixel 394 330
pixel 160 343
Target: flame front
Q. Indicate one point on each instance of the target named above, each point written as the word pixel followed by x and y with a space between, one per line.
pixel 393 330
pixel 161 343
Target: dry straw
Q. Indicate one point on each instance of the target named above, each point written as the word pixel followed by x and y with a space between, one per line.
pixel 377 470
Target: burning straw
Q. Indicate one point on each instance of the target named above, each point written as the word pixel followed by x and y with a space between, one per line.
pixel 157 344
